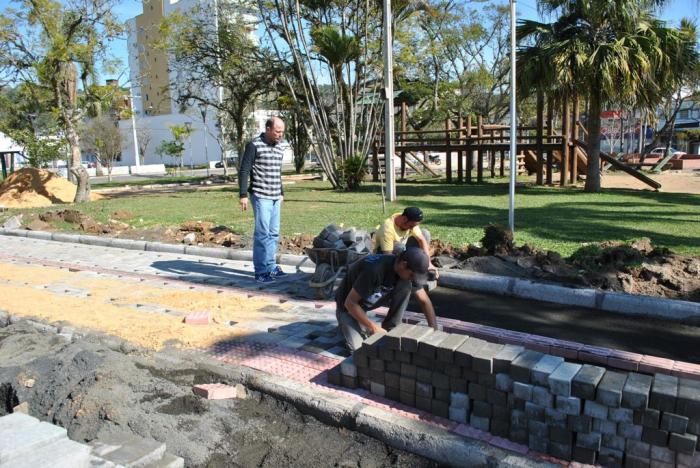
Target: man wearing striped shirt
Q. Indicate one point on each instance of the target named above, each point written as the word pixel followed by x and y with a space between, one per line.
pixel 260 181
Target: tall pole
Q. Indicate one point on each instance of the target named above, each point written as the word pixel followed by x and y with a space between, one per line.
pixel 389 105
pixel 219 91
pixel 133 130
pixel 513 123
pixel 206 150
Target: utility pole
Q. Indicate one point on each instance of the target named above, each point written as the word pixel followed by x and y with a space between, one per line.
pixel 389 105
pixel 513 123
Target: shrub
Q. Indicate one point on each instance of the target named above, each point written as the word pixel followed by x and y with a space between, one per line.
pixel 353 172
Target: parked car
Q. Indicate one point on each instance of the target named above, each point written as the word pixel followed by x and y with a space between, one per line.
pixel 660 151
pixel 230 162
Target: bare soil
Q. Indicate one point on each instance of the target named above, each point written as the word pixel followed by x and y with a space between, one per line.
pixel 98 386
pixel 671 181
pixel 637 268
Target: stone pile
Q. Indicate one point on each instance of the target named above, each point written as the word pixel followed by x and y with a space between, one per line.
pixel 26 442
pixel 572 411
pixel 334 237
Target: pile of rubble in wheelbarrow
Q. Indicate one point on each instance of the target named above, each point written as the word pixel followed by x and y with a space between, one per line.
pixel 334 251
pixel 334 237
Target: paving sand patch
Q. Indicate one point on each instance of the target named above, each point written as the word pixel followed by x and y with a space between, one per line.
pixel 31 188
pixel 111 307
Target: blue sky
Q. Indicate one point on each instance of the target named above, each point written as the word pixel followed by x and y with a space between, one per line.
pixel 672 12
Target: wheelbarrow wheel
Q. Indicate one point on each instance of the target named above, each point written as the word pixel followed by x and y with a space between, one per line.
pixel 323 273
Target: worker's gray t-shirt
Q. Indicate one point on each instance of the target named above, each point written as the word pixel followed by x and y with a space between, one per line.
pixel 374 279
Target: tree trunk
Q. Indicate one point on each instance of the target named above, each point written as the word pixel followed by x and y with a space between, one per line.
pixel 593 170
pixel 82 193
pixel 239 122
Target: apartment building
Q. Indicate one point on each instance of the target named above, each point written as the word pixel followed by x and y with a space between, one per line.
pixel 154 79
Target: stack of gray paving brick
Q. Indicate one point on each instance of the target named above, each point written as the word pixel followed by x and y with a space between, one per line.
pixel 333 237
pixel 26 442
pixel 572 411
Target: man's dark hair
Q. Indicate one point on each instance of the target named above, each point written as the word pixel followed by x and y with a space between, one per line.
pixel 269 122
pixel 413 213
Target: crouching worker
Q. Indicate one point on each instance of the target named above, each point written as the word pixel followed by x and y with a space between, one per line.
pixel 402 230
pixel 381 280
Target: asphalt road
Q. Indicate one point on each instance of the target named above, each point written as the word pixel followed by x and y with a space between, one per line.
pixel 640 335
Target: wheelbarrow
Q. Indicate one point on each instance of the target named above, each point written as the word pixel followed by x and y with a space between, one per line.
pixel 330 265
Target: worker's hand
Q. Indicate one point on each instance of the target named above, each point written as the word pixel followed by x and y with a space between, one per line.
pixel 376 329
pixel 244 204
pixel 436 272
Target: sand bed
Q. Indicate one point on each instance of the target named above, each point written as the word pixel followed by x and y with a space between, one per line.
pixel 111 306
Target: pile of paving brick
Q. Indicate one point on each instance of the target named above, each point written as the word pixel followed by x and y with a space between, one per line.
pixel 334 237
pixel 27 442
pixel 572 411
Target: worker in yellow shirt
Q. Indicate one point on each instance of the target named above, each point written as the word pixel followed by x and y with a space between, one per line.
pixel 399 232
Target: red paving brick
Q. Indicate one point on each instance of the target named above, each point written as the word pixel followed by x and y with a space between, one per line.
pixel 198 318
pixel 215 391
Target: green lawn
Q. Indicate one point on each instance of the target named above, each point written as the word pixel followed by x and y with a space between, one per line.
pixel 549 218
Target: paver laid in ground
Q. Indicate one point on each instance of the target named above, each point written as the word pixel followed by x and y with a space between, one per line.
pixel 145 297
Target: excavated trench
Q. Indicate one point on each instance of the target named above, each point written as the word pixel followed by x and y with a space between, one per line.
pixel 94 389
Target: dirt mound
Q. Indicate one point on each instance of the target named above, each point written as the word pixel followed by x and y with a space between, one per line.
pixel 636 267
pixel 31 188
pixel 295 244
pixel 639 268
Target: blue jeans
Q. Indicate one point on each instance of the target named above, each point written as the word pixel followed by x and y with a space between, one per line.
pixel 267 232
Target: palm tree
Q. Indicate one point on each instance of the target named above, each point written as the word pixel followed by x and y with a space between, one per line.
pixel 607 52
pixel 339 50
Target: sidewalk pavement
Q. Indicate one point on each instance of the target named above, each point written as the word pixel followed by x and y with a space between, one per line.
pixel 298 340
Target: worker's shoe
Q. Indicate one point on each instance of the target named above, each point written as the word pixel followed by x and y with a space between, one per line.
pixel 277 272
pixel 264 278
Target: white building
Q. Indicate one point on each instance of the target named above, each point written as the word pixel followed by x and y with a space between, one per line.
pixel 154 99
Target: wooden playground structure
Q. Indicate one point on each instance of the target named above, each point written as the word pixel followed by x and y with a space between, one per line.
pixel 481 147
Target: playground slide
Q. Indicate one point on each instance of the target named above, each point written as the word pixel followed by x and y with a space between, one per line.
pixel 581 159
pixel 530 161
pixel 623 167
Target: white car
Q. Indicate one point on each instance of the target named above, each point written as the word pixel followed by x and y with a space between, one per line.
pixel 661 151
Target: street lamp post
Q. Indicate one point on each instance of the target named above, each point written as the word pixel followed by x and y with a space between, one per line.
pixel 137 163
pixel 389 105
pixel 513 123
pixel 203 110
pixel 188 126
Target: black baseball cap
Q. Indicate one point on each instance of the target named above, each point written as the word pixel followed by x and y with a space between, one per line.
pixel 413 213
pixel 418 262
